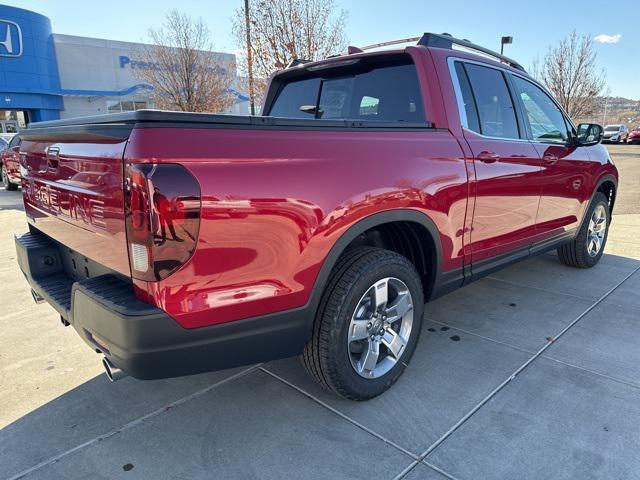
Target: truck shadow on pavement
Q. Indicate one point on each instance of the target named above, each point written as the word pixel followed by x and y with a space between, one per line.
pixel 271 421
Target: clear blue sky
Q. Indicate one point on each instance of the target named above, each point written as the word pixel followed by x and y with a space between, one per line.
pixel 534 25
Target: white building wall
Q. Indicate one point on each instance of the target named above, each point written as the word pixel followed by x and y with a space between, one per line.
pixel 92 71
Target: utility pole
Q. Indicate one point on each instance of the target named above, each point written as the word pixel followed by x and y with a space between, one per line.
pixel 249 56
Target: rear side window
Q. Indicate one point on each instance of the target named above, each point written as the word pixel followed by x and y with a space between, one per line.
pixel 493 102
pixel 384 92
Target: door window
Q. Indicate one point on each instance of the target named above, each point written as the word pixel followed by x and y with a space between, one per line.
pixel 493 102
pixel 545 119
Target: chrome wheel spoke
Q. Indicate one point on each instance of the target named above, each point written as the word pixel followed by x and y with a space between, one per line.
pixel 358 330
pixel 381 294
pixel 401 305
pixel 597 243
pixel 394 342
pixel 369 358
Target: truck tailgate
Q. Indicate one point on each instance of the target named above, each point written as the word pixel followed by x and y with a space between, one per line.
pixel 72 180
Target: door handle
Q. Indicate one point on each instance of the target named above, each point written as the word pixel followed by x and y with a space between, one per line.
pixel 549 159
pixel 488 157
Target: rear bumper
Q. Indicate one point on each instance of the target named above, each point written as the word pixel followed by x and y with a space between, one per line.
pixel 143 340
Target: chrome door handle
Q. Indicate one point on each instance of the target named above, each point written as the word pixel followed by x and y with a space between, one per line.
pixel 549 159
pixel 488 157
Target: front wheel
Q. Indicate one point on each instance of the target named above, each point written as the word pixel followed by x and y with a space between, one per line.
pixel 367 325
pixel 585 250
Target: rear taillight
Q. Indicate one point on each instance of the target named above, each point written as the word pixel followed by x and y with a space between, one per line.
pixel 162 208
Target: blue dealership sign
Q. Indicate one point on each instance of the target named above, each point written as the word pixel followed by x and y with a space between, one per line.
pixel 10 39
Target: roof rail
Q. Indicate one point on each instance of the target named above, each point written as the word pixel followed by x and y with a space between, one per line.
pixel 438 40
pixel 296 62
pixel 445 40
pixel 391 42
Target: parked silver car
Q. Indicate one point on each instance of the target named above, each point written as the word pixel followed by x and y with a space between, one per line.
pixel 615 134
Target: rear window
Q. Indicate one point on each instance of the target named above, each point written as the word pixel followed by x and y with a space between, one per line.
pixel 387 92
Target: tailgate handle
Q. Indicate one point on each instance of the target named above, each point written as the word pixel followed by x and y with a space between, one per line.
pixel 52 157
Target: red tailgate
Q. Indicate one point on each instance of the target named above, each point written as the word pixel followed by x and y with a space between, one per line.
pixel 73 192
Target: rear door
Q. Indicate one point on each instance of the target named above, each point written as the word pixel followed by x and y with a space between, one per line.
pixel 507 166
pixel 565 166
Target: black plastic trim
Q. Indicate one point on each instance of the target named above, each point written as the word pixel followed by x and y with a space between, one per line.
pixel 85 133
pixel 441 282
pixel 119 125
pixel 143 340
pixel 486 267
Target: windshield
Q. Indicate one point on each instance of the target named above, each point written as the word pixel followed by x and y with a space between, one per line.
pixel 612 128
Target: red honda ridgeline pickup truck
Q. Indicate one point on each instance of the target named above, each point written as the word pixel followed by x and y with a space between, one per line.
pixel 177 243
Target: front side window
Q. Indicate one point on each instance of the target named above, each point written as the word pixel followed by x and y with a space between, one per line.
pixel 493 102
pixel 545 119
pixel 385 92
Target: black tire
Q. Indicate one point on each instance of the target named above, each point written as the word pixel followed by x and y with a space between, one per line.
pixel 575 253
pixel 326 355
pixel 12 187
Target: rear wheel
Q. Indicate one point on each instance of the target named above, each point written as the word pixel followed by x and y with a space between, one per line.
pixel 5 180
pixel 367 325
pixel 586 249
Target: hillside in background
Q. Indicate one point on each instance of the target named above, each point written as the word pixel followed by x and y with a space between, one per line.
pixel 615 110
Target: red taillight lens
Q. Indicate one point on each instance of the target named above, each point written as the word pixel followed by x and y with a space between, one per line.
pixel 162 205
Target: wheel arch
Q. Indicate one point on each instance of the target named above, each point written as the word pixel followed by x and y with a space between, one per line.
pixel 371 222
pixel 608 185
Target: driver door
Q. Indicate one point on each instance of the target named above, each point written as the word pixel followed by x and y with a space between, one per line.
pixel 565 165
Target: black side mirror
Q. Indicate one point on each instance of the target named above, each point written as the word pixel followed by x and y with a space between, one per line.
pixel 589 134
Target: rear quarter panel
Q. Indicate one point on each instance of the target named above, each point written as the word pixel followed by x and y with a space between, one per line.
pixel 274 202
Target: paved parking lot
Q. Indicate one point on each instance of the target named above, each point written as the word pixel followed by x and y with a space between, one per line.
pixel 533 372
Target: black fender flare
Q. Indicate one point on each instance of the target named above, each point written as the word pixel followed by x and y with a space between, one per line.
pixel 361 226
pixel 607 177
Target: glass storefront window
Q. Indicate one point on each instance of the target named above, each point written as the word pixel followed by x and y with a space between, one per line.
pixel 125 106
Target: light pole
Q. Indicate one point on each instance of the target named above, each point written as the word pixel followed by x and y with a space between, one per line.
pixel 247 24
pixel 505 41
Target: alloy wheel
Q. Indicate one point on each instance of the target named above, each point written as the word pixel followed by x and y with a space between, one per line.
pixel 597 230
pixel 380 327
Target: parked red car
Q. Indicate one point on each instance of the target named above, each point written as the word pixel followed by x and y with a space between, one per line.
pixel 10 163
pixel 374 182
pixel 634 136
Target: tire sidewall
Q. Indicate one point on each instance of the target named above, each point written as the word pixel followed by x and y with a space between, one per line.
pixel 343 368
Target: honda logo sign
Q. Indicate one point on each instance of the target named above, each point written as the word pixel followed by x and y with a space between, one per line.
pixel 10 39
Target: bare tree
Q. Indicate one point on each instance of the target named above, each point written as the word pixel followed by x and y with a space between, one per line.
pixel 569 70
pixel 283 30
pixel 180 65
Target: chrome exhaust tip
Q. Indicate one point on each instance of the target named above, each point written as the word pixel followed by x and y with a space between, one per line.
pixel 113 373
pixel 36 297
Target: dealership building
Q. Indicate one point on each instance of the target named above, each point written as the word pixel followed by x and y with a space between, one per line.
pixel 46 76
